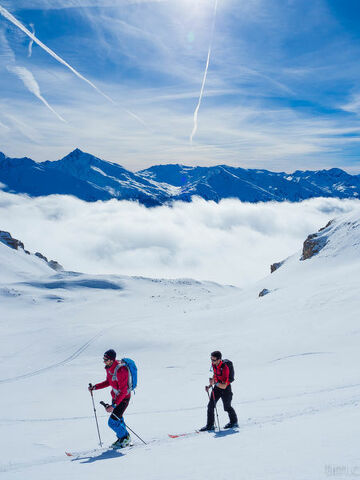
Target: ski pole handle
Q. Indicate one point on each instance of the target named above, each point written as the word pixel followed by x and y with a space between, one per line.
pixel 105 405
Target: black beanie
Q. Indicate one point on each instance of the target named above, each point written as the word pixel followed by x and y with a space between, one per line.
pixel 216 354
pixel 110 354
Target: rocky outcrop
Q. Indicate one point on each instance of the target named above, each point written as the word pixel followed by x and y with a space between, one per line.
pixel 15 244
pixel 264 292
pixel 315 242
pixel 55 265
pixel 275 266
pixel 8 240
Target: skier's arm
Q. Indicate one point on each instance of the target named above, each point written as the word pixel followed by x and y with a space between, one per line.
pixel 99 386
pixel 221 385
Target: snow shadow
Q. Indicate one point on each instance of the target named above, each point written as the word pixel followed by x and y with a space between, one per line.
pixel 104 456
pixel 225 433
pixel 70 284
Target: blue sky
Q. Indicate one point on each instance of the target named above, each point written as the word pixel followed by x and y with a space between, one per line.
pixel 282 90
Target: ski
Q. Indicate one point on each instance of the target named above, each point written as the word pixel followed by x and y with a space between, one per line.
pixel 183 434
pixel 96 450
pixel 86 452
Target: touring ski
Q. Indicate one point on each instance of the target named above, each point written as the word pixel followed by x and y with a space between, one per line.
pixel 183 434
pixel 96 450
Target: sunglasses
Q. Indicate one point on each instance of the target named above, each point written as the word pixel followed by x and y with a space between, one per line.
pixel 106 359
pixel 214 360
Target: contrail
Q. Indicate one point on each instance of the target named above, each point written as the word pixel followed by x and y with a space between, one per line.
pixel 205 75
pixel 18 24
pixel 31 84
pixel 31 40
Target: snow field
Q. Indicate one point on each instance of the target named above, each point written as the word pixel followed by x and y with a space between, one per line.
pixel 295 351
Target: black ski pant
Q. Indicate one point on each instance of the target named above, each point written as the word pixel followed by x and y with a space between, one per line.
pixel 120 409
pixel 226 397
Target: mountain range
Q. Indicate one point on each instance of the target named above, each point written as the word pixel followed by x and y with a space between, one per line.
pixel 90 178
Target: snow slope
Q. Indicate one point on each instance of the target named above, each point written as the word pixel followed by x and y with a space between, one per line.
pixel 295 350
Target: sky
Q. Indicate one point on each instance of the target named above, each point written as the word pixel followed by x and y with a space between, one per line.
pixel 229 242
pixel 121 79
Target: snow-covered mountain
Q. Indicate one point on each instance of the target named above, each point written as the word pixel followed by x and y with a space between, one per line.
pixel 295 350
pixel 90 178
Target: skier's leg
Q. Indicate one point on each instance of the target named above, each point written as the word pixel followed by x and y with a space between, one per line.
pixel 214 397
pixel 227 398
pixel 116 420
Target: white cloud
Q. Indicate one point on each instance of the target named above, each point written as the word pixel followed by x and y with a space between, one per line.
pixel 230 242
pixel 31 84
pixel 24 129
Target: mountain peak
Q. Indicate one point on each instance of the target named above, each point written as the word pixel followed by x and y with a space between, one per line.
pixel 78 154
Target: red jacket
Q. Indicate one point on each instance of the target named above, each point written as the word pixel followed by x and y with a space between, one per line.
pixel 119 385
pixel 221 373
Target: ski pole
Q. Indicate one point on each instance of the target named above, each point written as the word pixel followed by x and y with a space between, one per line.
pixel 97 425
pixel 217 416
pixel 105 405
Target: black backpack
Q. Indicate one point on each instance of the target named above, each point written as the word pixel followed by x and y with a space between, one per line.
pixel 231 369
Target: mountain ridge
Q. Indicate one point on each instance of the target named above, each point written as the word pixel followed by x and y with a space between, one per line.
pixel 90 178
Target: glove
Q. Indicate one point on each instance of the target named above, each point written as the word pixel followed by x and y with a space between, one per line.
pixel 91 387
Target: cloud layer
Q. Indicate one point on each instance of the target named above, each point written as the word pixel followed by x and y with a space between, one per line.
pixel 230 242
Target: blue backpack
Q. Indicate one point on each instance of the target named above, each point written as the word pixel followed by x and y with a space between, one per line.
pixel 132 369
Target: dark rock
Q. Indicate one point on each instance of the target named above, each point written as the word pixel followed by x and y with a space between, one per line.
pixel 264 292
pixel 315 242
pixel 7 239
pixel 55 266
pixel 275 266
pixel 40 255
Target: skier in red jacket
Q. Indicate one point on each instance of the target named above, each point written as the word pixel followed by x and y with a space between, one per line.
pixel 221 389
pixel 117 376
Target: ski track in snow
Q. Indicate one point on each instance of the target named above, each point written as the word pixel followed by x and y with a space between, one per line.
pixel 154 412
pixel 300 355
pixel 90 454
pixel 55 365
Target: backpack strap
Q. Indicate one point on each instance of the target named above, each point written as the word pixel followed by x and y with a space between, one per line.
pixel 114 378
pixel 124 364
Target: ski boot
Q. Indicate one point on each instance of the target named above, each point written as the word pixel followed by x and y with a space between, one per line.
pixel 231 425
pixel 207 428
pixel 122 442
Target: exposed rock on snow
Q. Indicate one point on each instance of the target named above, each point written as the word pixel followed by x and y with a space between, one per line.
pixel 264 292
pixel 316 242
pixel 7 239
pixel 55 265
pixel 276 265
pixel 52 263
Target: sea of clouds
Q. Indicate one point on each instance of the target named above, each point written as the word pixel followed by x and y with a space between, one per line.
pixel 230 242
